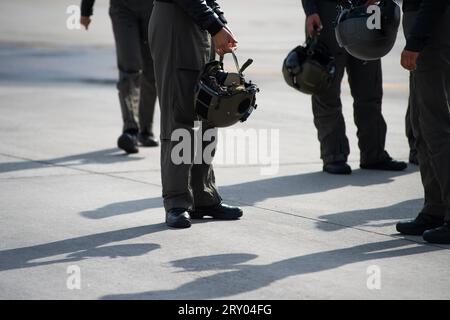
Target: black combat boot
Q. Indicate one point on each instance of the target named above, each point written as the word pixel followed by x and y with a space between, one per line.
pixel 178 218
pixel 440 235
pixel 419 225
pixel 147 139
pixel 128 142
pixel 338 167
pixel 220 211
pixel 388 164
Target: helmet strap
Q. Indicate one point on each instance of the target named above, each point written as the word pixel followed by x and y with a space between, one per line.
pixel 236 62
pixel 311 43
pixel 239 69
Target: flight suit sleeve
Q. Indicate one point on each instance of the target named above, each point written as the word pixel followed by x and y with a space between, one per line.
pixel 218 10
pixel 202 14
pixel 429 14
pixel 310 7
pixel 87 8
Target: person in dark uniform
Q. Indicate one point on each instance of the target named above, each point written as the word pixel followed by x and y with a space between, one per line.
pixel 180 34
pixel 427 56
pixel 136 85
pixel 365 80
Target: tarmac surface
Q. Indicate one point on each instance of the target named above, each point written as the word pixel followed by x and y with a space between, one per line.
pixel 81 220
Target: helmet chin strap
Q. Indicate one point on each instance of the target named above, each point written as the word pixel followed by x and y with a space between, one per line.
pixel 236 62
pixel 311 43
pixel 239 69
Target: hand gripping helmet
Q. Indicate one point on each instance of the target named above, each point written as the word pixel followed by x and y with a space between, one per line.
pixel 309 69
pixel 368 33
pixel 224 98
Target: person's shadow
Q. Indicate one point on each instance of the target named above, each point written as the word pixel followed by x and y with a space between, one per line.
pixel 377 217
pixel 123 207
pixel 305 183
pixel 76 249
pixel 235 276
pixel 250 193
pixel 106 156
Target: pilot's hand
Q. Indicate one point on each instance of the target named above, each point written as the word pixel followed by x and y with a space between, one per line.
pixel 313 24
pixel 85 22
pixel 409 60
pixel 224 41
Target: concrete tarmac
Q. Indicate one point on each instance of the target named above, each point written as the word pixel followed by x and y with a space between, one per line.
pixel 81 220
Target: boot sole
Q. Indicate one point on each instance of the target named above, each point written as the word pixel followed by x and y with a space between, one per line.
pixel 149 145
pixel 180 224
pixel 436 241
pixel 406 233
pixel 215 217
pixel 338 172
pixel 399 168
pixel 411 233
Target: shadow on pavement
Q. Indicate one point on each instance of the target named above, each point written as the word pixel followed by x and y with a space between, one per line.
pixel 305 183
pixel 106 156
pixel 255 191
pixel 36 64
pixel 81 248
pixel 235 277
pixel 369 217
pixel 125 207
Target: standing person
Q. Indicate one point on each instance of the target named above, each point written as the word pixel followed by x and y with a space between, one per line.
pixel 136 85
pixel 427 56
pixel 365 80
pixel 180 34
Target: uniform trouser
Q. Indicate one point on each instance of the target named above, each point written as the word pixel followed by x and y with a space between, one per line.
pixel 180 49
pixel 430 116
pixel 136 85
pixel 408 130
pixel 365 80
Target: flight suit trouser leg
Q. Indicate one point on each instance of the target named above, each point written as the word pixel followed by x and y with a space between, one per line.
pixel 430 116
pixel 148 84
pixel 180 49
pixel 327 107
pixel 409 131
pixel 408 127
pixel 365 80
pixel 366 86
pixel 136 77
